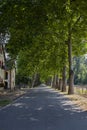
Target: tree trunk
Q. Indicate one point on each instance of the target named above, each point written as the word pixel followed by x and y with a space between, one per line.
pixel 64 79
pixel 60 84
pixel 71 82
pixel 71 73
pixel 57 81
pixel 53 82
pixel 36 80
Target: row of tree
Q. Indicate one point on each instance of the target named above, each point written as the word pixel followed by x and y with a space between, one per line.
pixel 45 35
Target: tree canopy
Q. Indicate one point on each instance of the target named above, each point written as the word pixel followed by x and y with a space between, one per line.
pixel 45 35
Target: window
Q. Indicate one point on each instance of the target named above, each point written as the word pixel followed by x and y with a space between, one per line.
pixel 6 75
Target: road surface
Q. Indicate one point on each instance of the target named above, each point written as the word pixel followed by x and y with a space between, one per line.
pixel 42 108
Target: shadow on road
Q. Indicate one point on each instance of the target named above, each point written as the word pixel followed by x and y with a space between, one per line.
pixel 45 109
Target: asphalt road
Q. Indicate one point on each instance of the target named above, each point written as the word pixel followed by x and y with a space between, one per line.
pixel 42 109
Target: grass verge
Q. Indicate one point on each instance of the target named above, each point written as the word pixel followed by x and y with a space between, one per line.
pixel 4 102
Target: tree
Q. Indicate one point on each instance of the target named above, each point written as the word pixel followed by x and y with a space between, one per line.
pixel 54 33
pixel 80 69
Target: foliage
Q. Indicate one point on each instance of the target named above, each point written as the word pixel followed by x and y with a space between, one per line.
pixel 80 70
pixel 21 79
pixel 41 33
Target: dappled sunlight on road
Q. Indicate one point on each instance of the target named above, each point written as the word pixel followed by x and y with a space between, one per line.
pixel 52 100
pixel 18 104
pixel 43 108
pixel 50 94
pixel 39 108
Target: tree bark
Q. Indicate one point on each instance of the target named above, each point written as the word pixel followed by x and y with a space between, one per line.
pixel 54 80
pixel 36 80
pixel 71 82
pixel 52 83
pixel 64 79
pixel 57 82
pixel 60 84
pixel 71 73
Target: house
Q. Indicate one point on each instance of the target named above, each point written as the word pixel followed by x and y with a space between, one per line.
pixel 9 78
pixel 7 70
pixel 2 64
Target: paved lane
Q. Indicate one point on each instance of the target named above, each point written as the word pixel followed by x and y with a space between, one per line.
pixel 42 109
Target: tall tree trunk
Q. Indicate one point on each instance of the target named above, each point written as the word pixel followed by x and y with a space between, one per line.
pixel 64 79
pixel 52 83
pixel 33 80
pixel 36 80
pixel 57 81
pixel 60 84
pixel 71 73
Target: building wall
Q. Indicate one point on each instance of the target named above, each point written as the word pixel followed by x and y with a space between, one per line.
pixel 10 81
pixel 1 64
pixel 7 76
pixel 2 74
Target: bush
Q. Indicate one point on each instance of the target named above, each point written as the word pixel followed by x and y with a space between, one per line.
pixel 23 80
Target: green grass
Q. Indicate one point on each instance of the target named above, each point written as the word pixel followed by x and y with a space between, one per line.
pixel 4 102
